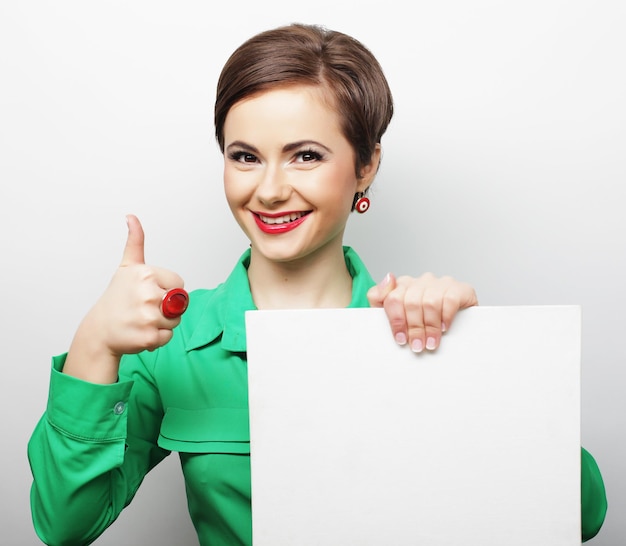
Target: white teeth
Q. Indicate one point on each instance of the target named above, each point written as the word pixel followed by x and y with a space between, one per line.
pixel 281 219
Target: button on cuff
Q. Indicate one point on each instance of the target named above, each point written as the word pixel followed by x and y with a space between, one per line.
pixel 119 408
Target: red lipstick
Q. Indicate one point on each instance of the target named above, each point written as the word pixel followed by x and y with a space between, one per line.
pixel 276 229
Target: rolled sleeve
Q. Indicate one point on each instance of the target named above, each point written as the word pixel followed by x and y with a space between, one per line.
pixel 86 462
pixel 86 410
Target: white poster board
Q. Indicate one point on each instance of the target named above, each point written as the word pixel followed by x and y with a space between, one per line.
pixel 357 441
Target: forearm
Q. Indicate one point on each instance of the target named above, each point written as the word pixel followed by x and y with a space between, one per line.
pixel 73 499
pixel 85 465
pixel 89 358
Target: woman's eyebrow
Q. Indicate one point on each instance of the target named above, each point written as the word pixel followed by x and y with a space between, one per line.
pixel 243 145
pixel 302 143
pixel 290 147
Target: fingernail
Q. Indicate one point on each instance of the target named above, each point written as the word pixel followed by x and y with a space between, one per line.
pixel 400 338
pixel 417 346
pixel 443 327
pixel 385 281
pixel 430 343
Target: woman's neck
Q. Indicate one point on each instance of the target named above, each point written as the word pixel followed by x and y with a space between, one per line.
pixel 320 280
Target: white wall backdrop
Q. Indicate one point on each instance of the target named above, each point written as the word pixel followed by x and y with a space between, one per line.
pixel 505 166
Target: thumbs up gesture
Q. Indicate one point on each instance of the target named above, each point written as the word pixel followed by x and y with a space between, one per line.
pixel 133 251
pixel 127 318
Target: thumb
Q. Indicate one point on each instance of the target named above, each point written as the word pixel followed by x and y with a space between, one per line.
pixel 133 252
pixel 377 294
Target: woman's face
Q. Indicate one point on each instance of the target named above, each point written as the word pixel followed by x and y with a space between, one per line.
pixel 289 173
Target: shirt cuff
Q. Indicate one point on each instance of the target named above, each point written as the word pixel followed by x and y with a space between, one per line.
pixel 86 410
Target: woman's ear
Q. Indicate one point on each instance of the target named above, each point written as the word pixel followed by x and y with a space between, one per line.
pixel 369 170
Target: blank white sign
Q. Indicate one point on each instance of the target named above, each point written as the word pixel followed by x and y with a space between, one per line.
pixel 357 441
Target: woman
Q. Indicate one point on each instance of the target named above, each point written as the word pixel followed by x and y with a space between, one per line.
pixel 299 116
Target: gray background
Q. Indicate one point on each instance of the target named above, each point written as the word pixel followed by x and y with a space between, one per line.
pixel 504 166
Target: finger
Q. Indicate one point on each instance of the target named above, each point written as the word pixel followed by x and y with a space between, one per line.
pixel 158 338
pixel 165 335
pixel 414 310
pixel 462 297
pixel 167 279
pixel 394 305
pixel 134 249
pixel 152 321
pixel 161 296
pixel 432 305
pixel 377 294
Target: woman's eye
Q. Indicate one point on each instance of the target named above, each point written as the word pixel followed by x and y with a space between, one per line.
pixel 307 156
pixel 243 157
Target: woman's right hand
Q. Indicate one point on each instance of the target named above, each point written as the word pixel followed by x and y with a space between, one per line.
pixel 127 318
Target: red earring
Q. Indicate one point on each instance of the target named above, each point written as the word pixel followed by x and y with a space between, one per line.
pixel 362 204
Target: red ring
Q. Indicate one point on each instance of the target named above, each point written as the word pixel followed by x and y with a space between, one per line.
pixel 174 302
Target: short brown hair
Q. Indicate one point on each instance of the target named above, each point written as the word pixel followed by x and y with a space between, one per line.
pixel 312 55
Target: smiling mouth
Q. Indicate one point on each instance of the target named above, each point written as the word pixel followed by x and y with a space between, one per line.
pixel 283 223
pixel 285 219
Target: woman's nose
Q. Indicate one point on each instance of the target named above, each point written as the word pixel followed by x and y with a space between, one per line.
pixel 273 187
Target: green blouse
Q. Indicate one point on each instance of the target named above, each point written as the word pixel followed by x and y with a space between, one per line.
pixel 94 445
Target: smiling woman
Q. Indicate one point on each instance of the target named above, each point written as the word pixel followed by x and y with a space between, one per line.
pixel 290 181
pixel 299 115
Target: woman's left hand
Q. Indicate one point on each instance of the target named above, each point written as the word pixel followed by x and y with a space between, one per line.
pixel 421 309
